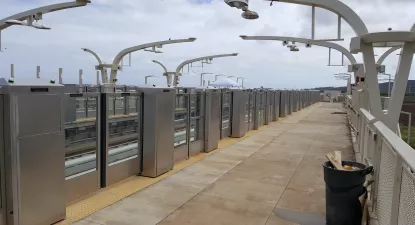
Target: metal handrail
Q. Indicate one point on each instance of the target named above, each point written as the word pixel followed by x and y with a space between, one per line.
pixel 371 148
pixel 401 148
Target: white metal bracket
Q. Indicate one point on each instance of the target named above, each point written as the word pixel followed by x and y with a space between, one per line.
pixel 129 61
pixel 330 59
pixel 313 26
pixel 354 67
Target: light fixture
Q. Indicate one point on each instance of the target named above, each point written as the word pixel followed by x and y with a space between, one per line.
pixel 41 27
pixel 16 22
pixel 153 49
pixel 294 49
pixel 250 15
pixel 23 23
pixel 240 4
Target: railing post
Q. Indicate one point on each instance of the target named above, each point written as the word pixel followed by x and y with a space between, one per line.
pixel 358 131
pixel 38 72
pixel 396 191
pixel 11 70
pixel 60 76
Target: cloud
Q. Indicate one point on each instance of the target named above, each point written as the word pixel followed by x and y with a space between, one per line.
pixel 109 26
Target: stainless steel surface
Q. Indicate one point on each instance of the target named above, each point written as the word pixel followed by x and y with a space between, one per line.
pixel 301 100
pixel 251 110
pixel 277 97
pixel 3 212
pixel 262 106
pixel 212 119
pixel 33 135
pixel 257 110
pixel 239 112
pixel 226 113
pixel 120 156
pixel 283 104
pixel 82 151
pixel 289 102
pixel 158 130
pixel 267 107
pixel 182 124
pixel 197 122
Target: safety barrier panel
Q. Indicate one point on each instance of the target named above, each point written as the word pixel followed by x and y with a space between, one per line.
pixel 392 194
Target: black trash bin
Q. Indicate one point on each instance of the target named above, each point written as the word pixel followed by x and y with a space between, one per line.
pixel 343 189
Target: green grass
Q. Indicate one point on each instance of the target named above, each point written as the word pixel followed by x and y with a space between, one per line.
pixel 404 132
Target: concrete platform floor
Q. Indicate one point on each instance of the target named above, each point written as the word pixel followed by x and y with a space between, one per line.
pixel 266 178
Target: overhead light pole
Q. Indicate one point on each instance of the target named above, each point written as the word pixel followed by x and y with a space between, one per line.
pixel 243 79
pixel 389 82
pixel 210 58
pixel 202 78
pixel 166 73
pixel 30 17
pixel 115 65
pixel 364 43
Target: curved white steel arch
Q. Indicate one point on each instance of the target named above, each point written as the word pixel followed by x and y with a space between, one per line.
pixel 386 54
pixel 181 65
pixel 104 75
pixel 305 41
pixel 120 55
pixel 42 10
pixel 94 54
pixel 161 64
pixel 356 23
pixel 391 50
pixel 336 7
pixel 166 73
pixel 358 71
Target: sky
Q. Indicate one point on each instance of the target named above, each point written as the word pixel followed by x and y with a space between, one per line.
pixel 108 26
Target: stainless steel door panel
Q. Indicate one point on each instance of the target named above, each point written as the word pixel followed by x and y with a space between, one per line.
pixel 121 171
pixel 41 179
pixel 181 153
pixel 212 120
pixel 82 186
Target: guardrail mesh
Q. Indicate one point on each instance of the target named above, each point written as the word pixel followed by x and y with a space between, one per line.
pixel 385 184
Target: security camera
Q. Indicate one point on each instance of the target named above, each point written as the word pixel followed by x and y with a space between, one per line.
pixel 284 43
pixel 308 45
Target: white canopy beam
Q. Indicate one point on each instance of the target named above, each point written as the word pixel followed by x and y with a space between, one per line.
pixel 326 44
pixel 357 69
pixel 338 8
pixel 120 55
pixel 180 67
pixel 42 10
pixel 166 73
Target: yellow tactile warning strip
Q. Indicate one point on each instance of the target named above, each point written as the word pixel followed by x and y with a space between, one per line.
pixel 123 189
